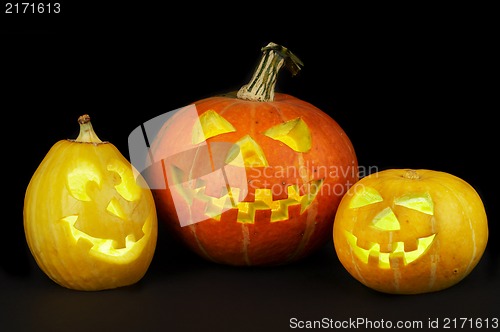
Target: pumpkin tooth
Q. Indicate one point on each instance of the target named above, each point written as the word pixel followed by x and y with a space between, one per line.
pixel 411 245
pixel 364 244
pixel 397 260
pixel 387 248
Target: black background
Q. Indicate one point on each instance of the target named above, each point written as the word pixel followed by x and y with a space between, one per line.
pixel 412 87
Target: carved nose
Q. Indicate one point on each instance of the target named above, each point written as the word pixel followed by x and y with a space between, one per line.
pixel 386 220
pixel 246 153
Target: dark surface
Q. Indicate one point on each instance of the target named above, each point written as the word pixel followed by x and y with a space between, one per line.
pixel 411 91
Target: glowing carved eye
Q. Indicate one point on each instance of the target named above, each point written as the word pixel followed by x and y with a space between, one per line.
pixel 78 178
pixel 365 196
pixel 294 133
pixel 418 202
pixel 210 124
pixel 126 188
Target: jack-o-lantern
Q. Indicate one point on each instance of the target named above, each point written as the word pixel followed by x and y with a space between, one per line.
pixel 283 166
pixel 89 221
pixel 407 231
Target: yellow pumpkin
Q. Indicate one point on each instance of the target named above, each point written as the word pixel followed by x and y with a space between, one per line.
pixel 89 219
pixel 407 231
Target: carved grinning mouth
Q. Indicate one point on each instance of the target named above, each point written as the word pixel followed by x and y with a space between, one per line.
pixel 214 207
pixel 104 248
pixel 385 259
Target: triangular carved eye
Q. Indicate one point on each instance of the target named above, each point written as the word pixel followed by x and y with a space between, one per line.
pixel 419 202
pixel 365 196
pixel 294 133
pixel 210 124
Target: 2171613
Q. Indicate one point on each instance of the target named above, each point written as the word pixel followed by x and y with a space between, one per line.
pixel 470 323
pixel 32 8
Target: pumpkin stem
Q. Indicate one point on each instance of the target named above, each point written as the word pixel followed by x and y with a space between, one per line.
pixel 87 133
pixel 261 86
pixel 411 174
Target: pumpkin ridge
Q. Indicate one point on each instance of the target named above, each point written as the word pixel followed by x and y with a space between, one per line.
pixel 280 112
pixel 229 106
pixel 245 243
pixel 462 202
pixel 469 219
pixel 200 245
pixel 312 212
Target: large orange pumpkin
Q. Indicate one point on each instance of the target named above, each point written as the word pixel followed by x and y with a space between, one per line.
pixel 253 177
pixel 410 231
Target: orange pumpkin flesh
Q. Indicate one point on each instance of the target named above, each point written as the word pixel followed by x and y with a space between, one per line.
pixel 410 231
pixel 294 162
pixel 88 223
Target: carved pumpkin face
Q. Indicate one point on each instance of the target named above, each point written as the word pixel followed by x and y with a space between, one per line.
pixel 89 223
pixel 210 176
pixel 252 183
pixel 403 223
pixel 112 197
pixel 406 231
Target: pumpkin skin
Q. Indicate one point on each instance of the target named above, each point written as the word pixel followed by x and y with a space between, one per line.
pixel 89 223
pixel 406 231
pixel 295 164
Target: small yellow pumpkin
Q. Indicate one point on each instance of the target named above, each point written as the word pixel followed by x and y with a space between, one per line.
pixel 89 219
pixel 410 231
